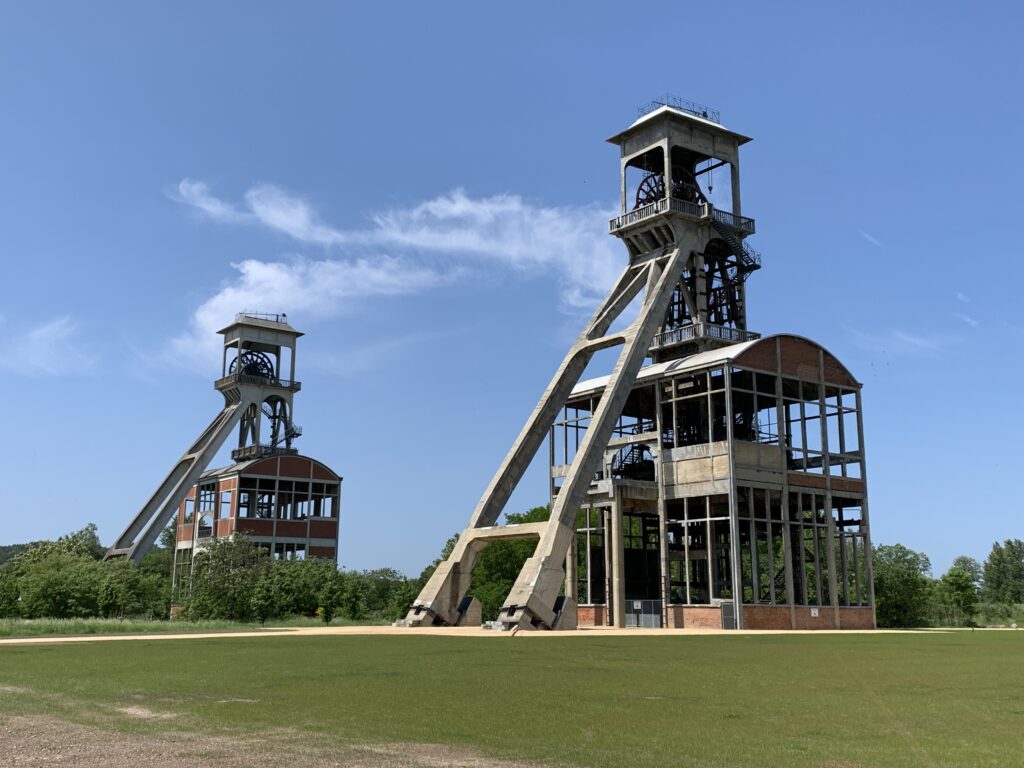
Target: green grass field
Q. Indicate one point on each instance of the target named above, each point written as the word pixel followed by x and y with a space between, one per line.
pixel 921 699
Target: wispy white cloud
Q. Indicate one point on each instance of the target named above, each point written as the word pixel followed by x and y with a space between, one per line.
pixel 506 230
pixel 197 194
pixel 963 297
pixel 402 251
pixel 314 288
pixel 502 230
pixel 870 238
pixel 291 215
pixel 967 319
pixel 50 349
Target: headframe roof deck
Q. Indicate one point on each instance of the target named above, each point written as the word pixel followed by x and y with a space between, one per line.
pixel 796 352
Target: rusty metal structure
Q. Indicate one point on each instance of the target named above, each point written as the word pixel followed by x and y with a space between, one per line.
pixel 713 477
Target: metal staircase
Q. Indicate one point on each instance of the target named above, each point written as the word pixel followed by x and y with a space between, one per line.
pixel 749 260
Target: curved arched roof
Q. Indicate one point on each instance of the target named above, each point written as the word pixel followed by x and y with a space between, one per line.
pixel 294 467
pixel 784 353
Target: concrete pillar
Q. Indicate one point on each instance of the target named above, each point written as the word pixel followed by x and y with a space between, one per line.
pixel 734 169
pixel 606 517
pixel 735 552
pixel 622 183
pixel 667 149
pixel 784 440
pixel 570 567
pixel 618 577
pixel 869 570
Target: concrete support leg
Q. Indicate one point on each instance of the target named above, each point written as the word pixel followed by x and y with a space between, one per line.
pixel 618 577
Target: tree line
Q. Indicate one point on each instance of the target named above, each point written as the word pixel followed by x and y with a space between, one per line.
pixel 968 594
pixel 237 580
pixel 232 580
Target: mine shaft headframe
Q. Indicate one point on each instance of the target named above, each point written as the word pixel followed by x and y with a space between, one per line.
pixel 679 172
pixel 672 260
pixel 254 376
pixel 680 141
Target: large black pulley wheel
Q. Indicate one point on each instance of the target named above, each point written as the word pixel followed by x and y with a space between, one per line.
pixel 253 364
pixel 651 190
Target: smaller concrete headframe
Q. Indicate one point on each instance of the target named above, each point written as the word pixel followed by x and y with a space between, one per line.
pixel 257 397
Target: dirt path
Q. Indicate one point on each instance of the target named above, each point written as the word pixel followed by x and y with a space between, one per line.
pixel 428 631
pixel 44 741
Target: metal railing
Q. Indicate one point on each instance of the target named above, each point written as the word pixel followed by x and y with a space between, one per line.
pixel 261 450
pixel 260 381
pixel 683 105
pixel 732 220
pixel 272 317
pixel 686 208
pixel 753 257
pixel 640 214
pixel 702 331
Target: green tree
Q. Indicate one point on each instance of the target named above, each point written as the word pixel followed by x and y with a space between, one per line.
pixel 351 603
pixel 500 563
pixel 297 583
pixel 901 586
pixel 224 578
pixel 958 596
pixel 971 566
pixel 263 601
pixel 330 597
pixel 9 594
pixel 1003 573
pixel 60 585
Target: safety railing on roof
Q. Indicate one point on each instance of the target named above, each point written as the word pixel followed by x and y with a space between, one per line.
pixel 273 317
pixel 683 105
pixel 702 331
pixel 260 451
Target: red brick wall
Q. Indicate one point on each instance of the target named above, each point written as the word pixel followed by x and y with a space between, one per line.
pixel 263 467
pixel 702 618
pixel 806 481
pixel 590 615
pixel 323 529
pixel 826 618
pixel 322 473
pixel 294 466
pixel 322 552
pixel 255 527
pixel 291 528
pixel 766 617
pixel 848 484
pixel 856 618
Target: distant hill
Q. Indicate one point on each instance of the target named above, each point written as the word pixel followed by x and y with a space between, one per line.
pixel 7 551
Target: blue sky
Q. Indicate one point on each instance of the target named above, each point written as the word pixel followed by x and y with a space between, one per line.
pixel 424 188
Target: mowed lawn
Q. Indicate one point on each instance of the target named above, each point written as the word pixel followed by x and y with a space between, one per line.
pixel 921 699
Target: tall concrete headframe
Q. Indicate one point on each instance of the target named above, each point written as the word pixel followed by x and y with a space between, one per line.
pixel 258 384
pixel 713 477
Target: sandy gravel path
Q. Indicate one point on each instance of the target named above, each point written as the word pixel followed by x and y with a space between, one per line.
pixel 430 631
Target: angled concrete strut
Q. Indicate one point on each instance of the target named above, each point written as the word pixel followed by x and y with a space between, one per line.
pixel 532 601
pixel 142 532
